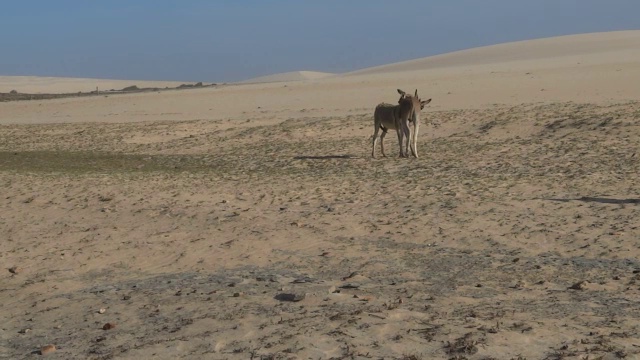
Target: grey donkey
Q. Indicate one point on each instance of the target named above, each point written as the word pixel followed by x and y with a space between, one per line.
pixel 397 117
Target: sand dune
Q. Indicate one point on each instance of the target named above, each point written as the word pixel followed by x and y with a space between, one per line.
pixel 620 47
pixel 289 76
pixel 249 221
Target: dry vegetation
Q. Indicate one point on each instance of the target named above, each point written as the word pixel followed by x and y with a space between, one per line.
pixel 287 241
pixel 15 95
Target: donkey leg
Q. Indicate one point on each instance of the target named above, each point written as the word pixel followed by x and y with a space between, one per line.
pixel 400 132
pixel 375 139
pixel 384 133
pixel 407 135
pixel 416 126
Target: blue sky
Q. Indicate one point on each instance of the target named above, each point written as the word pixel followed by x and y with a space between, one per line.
pixel 231 40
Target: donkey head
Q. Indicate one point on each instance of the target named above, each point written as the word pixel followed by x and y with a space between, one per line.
pixel 415 98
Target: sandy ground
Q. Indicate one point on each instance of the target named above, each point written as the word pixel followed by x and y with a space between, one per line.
pixel 289 76
pixel 250 221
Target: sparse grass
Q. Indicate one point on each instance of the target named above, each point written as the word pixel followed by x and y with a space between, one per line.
pixel 465 345
pixel 79 162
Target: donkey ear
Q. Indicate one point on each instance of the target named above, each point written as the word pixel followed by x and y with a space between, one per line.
pixel 425 102
pixel 401 92
pixel 416 93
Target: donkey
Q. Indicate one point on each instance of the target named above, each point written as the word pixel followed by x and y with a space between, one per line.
pixel 397 117
pixel 415 117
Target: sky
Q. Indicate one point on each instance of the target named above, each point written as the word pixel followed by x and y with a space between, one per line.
pixel 233 40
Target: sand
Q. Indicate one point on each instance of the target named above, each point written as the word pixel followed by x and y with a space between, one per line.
pixel 289 76
pixel 249 220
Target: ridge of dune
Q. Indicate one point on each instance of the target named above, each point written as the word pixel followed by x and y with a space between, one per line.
pixel 288 76
pixel 621 46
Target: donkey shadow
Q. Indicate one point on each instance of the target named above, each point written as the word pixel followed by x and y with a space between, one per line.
pixel 323 157
pixel 600 200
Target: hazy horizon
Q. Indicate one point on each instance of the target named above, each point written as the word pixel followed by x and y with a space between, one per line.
pixel 229 41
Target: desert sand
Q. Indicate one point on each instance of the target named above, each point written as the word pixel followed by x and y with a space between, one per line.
pixel 249 220
pixel 289 76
